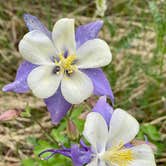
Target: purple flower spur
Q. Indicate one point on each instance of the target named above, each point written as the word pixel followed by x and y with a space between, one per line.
pixel 63 66
pixel 79 154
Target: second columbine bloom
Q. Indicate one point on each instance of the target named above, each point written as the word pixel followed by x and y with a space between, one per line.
pixel 60 62
pixel 110 134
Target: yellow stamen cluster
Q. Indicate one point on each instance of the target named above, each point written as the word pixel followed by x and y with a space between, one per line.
pixel 67 63
pixel 118 155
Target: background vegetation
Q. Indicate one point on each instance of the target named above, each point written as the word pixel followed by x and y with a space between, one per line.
pixel 136 32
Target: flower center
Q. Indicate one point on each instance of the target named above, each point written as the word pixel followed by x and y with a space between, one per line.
pixel 118 155
pixel 67 64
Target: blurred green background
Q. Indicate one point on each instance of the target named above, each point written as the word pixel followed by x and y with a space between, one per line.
pixel 136 33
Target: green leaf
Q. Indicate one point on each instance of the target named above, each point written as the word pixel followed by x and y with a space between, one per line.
pixel 152 132
pixel 111 27
pixel 28 162
pixel 59 133
pixel 75 114
pixel 42 145
pixel 27 112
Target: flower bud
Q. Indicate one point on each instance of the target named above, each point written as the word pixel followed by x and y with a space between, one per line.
pixel 72 130
pixel 10 115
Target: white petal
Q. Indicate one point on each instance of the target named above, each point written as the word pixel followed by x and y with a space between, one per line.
pixel 94 53
pixel 96 132
pixel 94 162
pixel 43 82
pixel 76 87
pixel 64 35
pixel 102 163
pixel 143 156
pixel 37 48
pixel 123 128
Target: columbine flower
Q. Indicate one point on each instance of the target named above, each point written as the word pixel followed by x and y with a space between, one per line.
pixel 109 133
pixel 108 142
pixel 60 63
pixel 62 67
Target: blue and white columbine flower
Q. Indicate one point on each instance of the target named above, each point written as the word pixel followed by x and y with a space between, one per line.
pixel 62 67
pixel 110 134
pixel 60 63
pixel 108 142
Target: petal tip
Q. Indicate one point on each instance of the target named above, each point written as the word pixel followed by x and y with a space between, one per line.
pixel 6 88
pixel 55 122
pixel 101 22
pixel 56 119
pixel 27 15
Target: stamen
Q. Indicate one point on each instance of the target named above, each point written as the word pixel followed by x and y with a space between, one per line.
pixel 67 63
pixel 118 155
pixel 56 69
